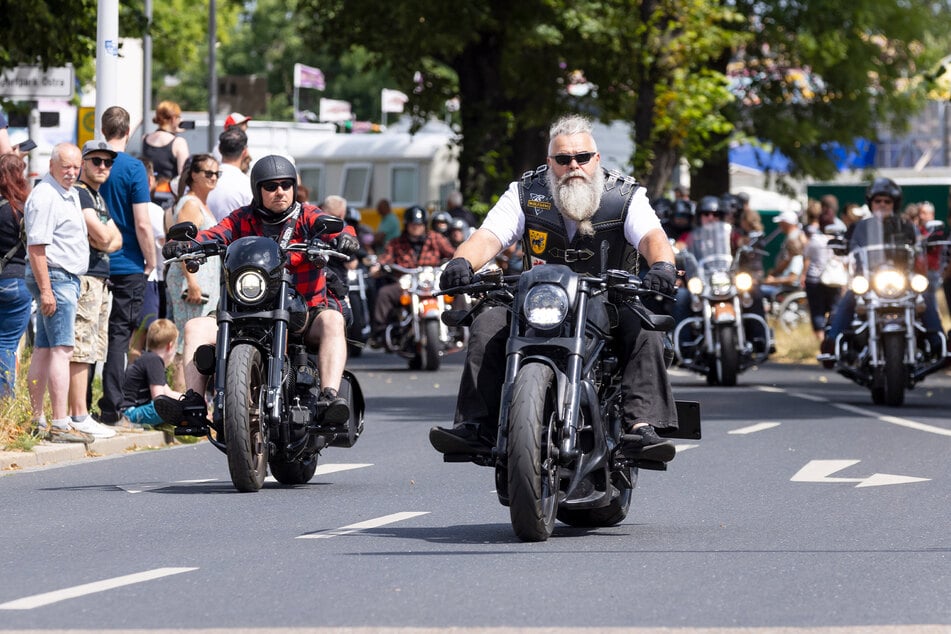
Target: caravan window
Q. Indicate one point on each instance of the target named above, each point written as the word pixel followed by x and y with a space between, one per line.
pixel 313 177
pixel 356 183
pixel 404 185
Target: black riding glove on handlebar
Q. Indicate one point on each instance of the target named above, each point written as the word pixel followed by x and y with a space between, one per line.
pixel 345 244
pixel 175 248
pixel 661 278
pixel 458 272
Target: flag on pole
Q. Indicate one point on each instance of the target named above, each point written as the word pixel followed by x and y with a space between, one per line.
pixel 393 100
pixel 308 77
pixel 334 110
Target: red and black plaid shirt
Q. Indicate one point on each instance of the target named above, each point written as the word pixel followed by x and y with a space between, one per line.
pixel 308 279
pixel 436 249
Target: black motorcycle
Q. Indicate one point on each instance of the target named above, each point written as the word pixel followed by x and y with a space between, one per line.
pixel 559 429
pixel 266 385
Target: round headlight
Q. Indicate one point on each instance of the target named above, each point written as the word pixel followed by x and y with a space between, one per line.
pixel 546 306
pixel 251 286
pixel 695 285
pixel 406 282
pixel 426 281
pixel 919 283
pixel 859 285
pixel 744 282
pixel 889 283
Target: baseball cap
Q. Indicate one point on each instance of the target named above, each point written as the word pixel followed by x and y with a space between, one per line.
pixel 235 118
pixel 98 146
pixel 787 216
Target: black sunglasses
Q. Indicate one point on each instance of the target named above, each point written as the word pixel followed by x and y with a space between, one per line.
pixel 580 157
pixel 208 173
pixel 271 186
pixel 99 161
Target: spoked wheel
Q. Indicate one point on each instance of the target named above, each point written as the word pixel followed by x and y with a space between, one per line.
pixel 893 392
pixel 728 357
pixel 613 513
pixel 244 430
pixel 532 468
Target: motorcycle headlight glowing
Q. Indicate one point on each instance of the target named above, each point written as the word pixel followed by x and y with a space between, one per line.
pixel 859 285
pixel 744 282
pixel 695 285
pixel 251 286
pixel 919 283
pixel 720 282
pixel 406 281
pixel 546 306
pixel 426 282
pixel 889 283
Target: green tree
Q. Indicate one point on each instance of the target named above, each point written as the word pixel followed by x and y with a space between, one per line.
pixel 47 32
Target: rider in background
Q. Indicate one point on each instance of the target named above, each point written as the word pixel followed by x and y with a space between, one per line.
pixel 273 210
pixel 571 207
pixel 416 246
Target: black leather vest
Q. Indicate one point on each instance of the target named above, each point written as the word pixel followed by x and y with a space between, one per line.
pixel 545 239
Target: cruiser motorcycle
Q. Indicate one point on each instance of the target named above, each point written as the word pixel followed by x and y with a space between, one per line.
pixel 266 412
pixel 417 332
pixel 722 338
pixel 887 348
pixel 556 454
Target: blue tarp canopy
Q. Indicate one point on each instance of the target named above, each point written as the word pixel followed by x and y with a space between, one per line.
pixel 860 156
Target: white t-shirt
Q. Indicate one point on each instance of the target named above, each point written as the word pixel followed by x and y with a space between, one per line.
pixel 232 191
pixel 157 216
pixel 506 221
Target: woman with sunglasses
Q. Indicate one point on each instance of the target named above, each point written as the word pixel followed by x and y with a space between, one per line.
pixel 192 294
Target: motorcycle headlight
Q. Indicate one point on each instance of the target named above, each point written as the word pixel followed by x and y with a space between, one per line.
pixel 919 283
pixel 889 283
pixel 406 282
pixel 744 282
pixel 546 306
pixel 426 282
pixel 251 286
pixel 859 285
pixel 695 285
pixel 720 282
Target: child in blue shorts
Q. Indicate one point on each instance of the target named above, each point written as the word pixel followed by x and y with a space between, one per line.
pixel 145 379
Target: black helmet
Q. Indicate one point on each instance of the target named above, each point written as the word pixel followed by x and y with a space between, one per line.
pixel 708 204
pixel 664 209
pixel 460 224
pixel 414 214
pixel 353 217
pixel 271 168
pixel 729 205
pixel 441 217
pixel 683 208
pixel 884 187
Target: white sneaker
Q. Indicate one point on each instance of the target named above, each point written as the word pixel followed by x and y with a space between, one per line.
pixel 93 428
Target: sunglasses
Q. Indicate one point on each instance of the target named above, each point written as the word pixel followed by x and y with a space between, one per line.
pixel 271 186
pixel 208 173
pixel 99 162
pixel 580 157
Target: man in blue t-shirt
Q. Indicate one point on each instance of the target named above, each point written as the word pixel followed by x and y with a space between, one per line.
pixel 127 197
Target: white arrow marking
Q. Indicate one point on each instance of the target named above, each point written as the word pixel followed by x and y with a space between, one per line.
pixel 820 470
pixel 39 600
pixel 753 428
pixel 361 526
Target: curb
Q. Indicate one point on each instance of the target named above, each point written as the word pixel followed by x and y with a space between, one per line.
pixel 47 453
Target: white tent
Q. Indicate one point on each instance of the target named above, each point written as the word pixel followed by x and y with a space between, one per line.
pixel 765 200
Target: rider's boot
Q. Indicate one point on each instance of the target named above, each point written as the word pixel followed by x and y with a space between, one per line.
pixel 189 413
pixel 465 438
pixel 336 410
pixel 642 443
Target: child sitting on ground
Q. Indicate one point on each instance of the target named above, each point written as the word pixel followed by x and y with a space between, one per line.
pixel 145 379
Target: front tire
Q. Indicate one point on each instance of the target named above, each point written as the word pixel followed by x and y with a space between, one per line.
pixel 532 468
pixel 244 430
pixel 728 357
pixel 431 345
pixel 894 371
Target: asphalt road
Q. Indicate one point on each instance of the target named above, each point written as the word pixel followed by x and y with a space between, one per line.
pixel 804 506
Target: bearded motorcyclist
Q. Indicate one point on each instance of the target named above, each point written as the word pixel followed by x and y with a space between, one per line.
pixel 274 213
pixel 884 226
pixel 415 246
pixel 563 212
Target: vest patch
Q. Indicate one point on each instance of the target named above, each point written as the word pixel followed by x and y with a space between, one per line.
pixel 537 239
pixel 538 202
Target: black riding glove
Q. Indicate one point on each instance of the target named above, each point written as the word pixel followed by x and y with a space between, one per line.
pixel 337 286
pixel 458 272
pixel 345 244
pixel 174 249
pixel 661 278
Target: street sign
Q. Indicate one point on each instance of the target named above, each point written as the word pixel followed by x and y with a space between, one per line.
pixel 32 82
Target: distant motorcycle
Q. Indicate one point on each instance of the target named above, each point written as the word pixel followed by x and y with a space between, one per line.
pixel 359 330
pixel 714 341
pixel 887 349
pixel 416 332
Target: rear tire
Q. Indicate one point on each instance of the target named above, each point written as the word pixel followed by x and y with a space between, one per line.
pixel 613 513
pixel 532 468
pixel 297 472
pixel 244 431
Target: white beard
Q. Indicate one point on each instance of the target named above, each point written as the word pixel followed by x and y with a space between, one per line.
pixel 579 200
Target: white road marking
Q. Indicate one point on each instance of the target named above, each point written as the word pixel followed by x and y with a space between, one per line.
pixel 324 469
pixel 770 388
pixel 810 397
pixel 684 447
pixel 360 526
pixel 151 486
pixel 752 429
pixel 821 470
pixel 39 600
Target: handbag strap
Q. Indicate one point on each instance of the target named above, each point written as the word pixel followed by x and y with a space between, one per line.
pixel 9 254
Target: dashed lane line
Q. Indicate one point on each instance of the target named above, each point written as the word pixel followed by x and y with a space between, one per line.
pixel 362 526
